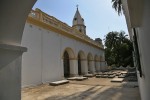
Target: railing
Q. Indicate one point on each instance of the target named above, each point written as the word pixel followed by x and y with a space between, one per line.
pixel 50 20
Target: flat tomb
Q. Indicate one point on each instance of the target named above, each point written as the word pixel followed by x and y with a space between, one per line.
pixel 59 82
pixel 81 78
pixel 104 76
pixel 77 78
pixel 117 80
pixel 89 75
pixel 122 76
pixel 98 76
pixel 71 78
pixel 111 76
pixel 124 72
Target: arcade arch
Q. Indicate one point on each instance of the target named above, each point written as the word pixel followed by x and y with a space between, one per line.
pixel 90 62
pixel 97 63
pixel 81 64
pixel 68 65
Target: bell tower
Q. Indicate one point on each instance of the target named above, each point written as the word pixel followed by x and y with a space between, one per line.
pixel 78 22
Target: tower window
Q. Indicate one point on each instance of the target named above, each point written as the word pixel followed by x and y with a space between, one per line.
pixel 75 18
pixel 80 30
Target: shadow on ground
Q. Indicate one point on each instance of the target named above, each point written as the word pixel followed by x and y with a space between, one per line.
pixel 101 93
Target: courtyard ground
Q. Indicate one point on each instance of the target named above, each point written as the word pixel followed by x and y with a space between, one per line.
pixel 90 89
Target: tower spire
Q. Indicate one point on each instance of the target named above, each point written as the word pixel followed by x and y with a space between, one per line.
pixel 78 22
pixel 77 6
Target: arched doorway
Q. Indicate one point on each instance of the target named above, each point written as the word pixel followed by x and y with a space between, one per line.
pixel 101 63
pixel 79 65
pixel 97 63
pixel 90 63
pixel 69 63
pixel 66 63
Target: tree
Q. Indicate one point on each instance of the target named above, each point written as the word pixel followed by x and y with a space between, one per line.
pixel 118 49
pixel 117 5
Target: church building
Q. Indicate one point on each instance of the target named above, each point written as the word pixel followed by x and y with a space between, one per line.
pixel 57 51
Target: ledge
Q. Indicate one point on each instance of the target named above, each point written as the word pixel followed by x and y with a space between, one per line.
pixel 13 47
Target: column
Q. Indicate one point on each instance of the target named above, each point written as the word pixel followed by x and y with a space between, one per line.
pixel 73 67
pixel 84 67
pixel 103 66
pixel 100 69
pixel 98 66
pixel 11 29
pixel 92 66
pixel 10 71
pixel 62 68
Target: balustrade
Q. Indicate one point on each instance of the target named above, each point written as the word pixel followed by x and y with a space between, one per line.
pixel 50 20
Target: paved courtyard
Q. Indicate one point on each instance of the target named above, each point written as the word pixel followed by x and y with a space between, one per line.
pixel 90 89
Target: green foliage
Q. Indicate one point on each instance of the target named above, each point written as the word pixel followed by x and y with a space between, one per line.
pixel 118 49
pixel 117 5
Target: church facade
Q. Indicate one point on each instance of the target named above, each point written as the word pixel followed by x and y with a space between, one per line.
pixel 57 51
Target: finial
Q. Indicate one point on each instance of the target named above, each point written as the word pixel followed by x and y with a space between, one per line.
pixel 77 6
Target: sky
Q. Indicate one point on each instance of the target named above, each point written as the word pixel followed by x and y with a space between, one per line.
pixel 99 16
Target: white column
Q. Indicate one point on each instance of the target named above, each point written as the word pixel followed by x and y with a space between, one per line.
pixel 62 68
pixel 11 55
pixel 10 71
pixel 84 67
pixel 92 67
pixel 103 66
pixel 102 69
pixel 97 66
pixel 73 67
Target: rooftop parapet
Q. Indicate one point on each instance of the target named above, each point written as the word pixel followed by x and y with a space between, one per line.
pixel 52 21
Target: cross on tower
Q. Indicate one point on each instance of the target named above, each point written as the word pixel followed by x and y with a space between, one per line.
pixel 77 6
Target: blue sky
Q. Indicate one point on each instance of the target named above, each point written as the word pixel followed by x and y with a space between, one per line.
pixel 99 16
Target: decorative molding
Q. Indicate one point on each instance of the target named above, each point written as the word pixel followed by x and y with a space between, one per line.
pixel 71 58
pixel 13 47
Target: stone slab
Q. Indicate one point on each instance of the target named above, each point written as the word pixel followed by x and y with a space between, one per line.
pixel 89 75
pixel 121 76
pixel 117 80
pixel 124 72
pixel 59 82
pixel 71 78
pixel 104 76
pixel 81 78
pixel 111 76
pixel 98 76
pixel 77 78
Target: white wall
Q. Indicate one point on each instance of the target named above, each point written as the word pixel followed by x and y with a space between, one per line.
pixel 43 61
pixel 143 34
pixel 31 60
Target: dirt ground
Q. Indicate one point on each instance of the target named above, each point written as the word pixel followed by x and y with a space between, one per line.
pixel 90 89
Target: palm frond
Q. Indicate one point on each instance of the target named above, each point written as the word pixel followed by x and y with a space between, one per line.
pixel 117 5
